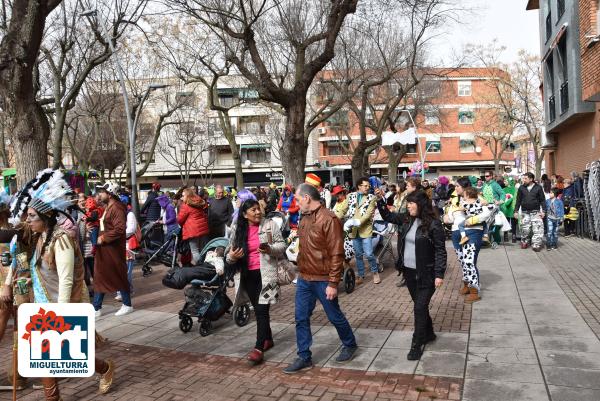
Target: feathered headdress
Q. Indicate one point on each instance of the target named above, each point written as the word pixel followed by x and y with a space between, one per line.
pixel 47 191
pixel 54 194
pixel 4 199
pixel 23 197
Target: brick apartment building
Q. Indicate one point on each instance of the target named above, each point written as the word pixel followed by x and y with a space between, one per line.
pixel 450 125
pixel 570 48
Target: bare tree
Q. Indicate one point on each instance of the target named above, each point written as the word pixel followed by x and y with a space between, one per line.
pixel 384 65
pixel 518 93
pixel 19 50
pixel 188 146
pixel 279 47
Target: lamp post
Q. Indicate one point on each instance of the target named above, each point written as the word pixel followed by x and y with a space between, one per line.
pixel 130 124
pixel 422 155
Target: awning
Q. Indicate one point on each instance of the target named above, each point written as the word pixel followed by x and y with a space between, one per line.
pixel 256 146
pixel 559 35
pixel 9 172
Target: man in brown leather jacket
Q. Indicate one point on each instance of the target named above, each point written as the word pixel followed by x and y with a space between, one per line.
pixel 320 264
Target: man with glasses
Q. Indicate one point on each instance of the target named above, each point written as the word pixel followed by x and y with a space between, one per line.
pixel 359 212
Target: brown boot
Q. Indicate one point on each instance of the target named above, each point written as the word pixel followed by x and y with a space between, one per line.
pixel 51 391
pixel 106 369
pixel 465 289
pixel 473 295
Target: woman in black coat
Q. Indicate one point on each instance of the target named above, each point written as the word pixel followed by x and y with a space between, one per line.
pixel 422 259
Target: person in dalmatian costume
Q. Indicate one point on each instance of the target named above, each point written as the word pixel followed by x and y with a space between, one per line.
pixel 468 252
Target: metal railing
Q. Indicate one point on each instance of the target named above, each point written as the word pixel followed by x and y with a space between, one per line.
pixel 551 108
pixel 564 97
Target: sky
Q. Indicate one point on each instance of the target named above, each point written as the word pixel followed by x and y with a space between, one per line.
pixel 505 20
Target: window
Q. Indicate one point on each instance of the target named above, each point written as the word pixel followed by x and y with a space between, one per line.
pixel 186 127
pixel 467 146
pixel 466 116
pixel 432 118
pixel 464 88
pixel 188 155
pixel 256 155
pixel 339 119
pixel 251 126
pixel 433 146
pixel 337 148
pixel 411 148
pixel 144 156
pixel 226 101
pixel 560 5
pixel 186 99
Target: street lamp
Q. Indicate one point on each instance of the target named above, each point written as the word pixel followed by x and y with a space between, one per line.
pixel 422 155
pixel 130 124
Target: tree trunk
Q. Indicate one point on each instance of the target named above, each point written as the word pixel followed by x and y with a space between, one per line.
pixel 538 164
pixel 496 166
pixel 357 163
pixel 31 132
pixel 293 148
pixel 225 122
pixel 59 127
pixel 394 158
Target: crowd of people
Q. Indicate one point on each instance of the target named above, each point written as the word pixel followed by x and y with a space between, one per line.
pixel 78 247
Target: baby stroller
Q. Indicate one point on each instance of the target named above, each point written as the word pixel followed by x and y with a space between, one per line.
pixel 206 296
pixel 496 221
pixel 383 234
pixel 165 253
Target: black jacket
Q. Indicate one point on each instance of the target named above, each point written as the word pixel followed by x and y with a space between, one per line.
pixel 220 212
pixel 430 246
pixel 151 208
pixel 531 201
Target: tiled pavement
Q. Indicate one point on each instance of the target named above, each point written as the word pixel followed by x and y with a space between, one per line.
pixel 576 268
pixel 524 341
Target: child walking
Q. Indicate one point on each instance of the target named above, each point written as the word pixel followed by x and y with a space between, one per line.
pixel 555 217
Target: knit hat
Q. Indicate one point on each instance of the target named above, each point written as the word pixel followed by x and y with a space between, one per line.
pixel 313 180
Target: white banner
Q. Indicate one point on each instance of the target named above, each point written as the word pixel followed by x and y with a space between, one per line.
pixel 407 137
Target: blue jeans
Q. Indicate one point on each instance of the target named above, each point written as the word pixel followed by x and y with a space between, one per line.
pixel 552 239
pixel 99 298
pixel 364 247
pixel 307 293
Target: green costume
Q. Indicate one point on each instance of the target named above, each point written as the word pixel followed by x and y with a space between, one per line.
pixel 508 207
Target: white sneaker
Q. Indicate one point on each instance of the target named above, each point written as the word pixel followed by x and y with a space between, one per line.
pixel 99 313
pixel 124 310
pixel 118 297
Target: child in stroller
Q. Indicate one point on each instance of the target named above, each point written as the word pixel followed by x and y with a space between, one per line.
pixel 206 296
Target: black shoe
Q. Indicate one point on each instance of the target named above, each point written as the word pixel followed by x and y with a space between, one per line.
pixel 554 246
pixel 346 354
pixel 430 338
pixel 415 353
pixel 298 365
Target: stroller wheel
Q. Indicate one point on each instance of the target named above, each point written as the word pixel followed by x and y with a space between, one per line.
pixel 349 280
pixel 205 327
pixel 241 315
pixel 185 323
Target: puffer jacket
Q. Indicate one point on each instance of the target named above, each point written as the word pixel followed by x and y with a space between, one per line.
pixel 170 218
pixel 321 256
pixel 430 246
pixel 193 218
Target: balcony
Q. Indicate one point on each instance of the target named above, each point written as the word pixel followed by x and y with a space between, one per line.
pixel 548 26
pixel 560 4
pixel 551 109
pixel 564 97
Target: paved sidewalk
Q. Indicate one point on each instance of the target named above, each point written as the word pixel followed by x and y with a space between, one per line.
pixel 527 341
pixel 575 265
